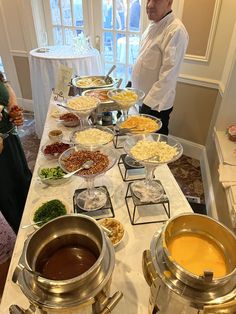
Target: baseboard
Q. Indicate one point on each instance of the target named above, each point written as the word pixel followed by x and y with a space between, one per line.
pixel 198 152
pixel 191 149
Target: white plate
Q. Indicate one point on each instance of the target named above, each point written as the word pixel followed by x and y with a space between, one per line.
pixel 41 202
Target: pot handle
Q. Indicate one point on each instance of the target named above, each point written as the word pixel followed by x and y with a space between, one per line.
pixel 149 271
pixel 112 302
pixel 228 307
pixel 16 309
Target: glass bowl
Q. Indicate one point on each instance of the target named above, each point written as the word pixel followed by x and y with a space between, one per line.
pixel 104 159
pixel 82 105
pixel 126 97
pixel 139 124
pixel 54 150
pixel 52 172
pixel 93 136
pixel 147 154
pixel 151 150
pixel 69 119
pixel 100 93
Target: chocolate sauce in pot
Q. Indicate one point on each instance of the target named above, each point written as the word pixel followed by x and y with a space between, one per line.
pixel 67 262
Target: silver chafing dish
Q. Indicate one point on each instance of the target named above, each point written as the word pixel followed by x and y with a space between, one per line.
pixel 173 289
pixel 88 292
pixel 83 83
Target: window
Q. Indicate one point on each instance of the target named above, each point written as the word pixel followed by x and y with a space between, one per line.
pixel 121 35
pixel 65 21
pixel 115 26
pixel 1 67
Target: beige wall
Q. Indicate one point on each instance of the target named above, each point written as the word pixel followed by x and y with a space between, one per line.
pixel 199 11
pixel 192 112
pixel 23 73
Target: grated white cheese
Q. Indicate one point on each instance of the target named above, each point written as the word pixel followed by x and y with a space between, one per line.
pixel 83 102
pixel 156 151
pixel 93 136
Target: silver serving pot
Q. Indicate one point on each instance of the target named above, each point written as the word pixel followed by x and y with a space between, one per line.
pixel 87 292
pixel 176 290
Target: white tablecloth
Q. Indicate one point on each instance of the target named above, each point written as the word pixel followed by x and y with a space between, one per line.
pixel 44 70
pixel 127 276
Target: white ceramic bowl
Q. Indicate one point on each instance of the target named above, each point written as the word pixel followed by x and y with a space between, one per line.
pixel 55 135
pixel 116 227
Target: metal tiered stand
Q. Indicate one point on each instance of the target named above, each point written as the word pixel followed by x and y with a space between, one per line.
pixel 133 204
pixel 147 197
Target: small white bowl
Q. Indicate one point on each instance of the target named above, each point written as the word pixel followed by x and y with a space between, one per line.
pixel 55 135
pixel 117 229
pixel 41 202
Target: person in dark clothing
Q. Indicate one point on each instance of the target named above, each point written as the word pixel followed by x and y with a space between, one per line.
pixel 15 175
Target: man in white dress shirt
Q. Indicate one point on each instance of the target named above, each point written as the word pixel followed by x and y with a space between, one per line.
pixel 162 50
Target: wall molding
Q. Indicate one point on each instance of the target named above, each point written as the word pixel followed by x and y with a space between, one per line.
pixel 19 53
pixel 199 81
pixel 198 152
pixel 214 20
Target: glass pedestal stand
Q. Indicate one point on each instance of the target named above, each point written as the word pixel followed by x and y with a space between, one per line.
pixel 106 211
pixel 148 211
pixel 91 198
pixel 148 190
pixel 130 173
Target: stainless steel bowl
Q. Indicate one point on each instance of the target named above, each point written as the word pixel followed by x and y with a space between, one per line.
pixel 209 228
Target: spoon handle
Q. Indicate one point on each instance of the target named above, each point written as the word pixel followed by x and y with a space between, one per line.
pixel 29 225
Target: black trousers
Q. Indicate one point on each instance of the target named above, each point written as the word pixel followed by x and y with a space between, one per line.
pixel 163 115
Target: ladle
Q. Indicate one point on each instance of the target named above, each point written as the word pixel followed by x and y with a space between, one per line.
pixel 109 72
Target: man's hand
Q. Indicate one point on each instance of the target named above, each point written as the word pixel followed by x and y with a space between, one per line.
pixel 16 116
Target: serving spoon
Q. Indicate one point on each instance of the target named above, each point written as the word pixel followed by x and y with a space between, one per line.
pixel 86 165
pixel 33 224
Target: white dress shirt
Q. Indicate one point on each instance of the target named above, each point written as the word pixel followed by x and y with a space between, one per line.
pixel 162 50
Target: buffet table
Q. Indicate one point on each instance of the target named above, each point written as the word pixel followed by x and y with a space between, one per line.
pixel 44 66
pixel 127 276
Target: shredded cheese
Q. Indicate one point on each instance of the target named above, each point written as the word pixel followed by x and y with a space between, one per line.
pixel 156 151
pixel 93 136
pixel 83 103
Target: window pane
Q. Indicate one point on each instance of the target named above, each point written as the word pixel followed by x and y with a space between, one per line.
pixel 69 34
pixel 66 12
pixel 108 46
pixel 1 67
pixel 129 73
pixel 120 15
pixel 121 48
pixel 107 12
pixel 134 17
pixel 133 48
pixel 55 12
pixel 57 36
pixel 78 13
pixel 120 73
